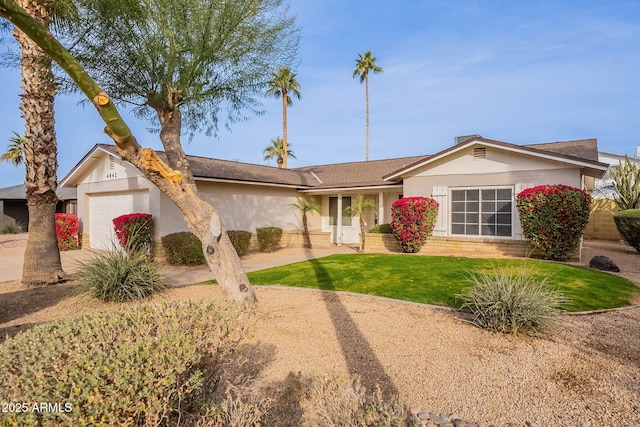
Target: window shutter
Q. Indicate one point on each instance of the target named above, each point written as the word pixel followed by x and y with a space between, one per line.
pixel 439 194
pixel 517 231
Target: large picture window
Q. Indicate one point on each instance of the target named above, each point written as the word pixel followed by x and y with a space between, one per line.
pixel 333 210
pixel 482 212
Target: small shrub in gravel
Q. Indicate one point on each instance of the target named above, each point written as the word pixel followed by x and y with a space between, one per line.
pixel 628 224
pixel 268 238
pixel 118 276
pixel 511 302
pixel 183 248
pixel 11 227
pixel 144 365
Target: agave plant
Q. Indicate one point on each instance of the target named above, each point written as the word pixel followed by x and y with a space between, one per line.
pixel 626 183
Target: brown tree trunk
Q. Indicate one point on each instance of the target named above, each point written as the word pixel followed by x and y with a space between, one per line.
pixel 203 219
pixel 362 233
pixel 305 231
pixel 285 144
pixel 42 264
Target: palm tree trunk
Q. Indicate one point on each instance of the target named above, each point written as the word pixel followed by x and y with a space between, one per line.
pixel 362 233
pixel 366 95
pixel 305 231
pixel 284 129
pixel 42 264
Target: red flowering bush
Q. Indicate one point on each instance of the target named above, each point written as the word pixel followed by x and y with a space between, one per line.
pixel 134 231
pixel 553 218
pixel 67 229
pixel 412 221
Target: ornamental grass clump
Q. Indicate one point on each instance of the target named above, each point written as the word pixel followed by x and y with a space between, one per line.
pixel 412 221
pixel 553 218
pixel 119 276
pixel 511 301
pixel 137 365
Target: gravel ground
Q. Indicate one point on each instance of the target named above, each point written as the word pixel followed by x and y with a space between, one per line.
pixel 587 374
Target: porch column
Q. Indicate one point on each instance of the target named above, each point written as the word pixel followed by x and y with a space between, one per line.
pixel 339 225
pixel 380 207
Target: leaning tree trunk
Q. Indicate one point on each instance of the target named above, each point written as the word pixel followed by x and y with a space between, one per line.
pixel 200 217
pixel 42 264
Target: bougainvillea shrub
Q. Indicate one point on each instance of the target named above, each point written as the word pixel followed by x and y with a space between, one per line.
pixel 553 218
pixel 412 221
pixel 67 231
pixel 133 231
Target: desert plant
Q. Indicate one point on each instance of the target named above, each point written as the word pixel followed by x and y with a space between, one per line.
pixel 305 206
pixel 628 224
pixel 626 183
pixel 412 221
pixel 381 229
pixel 183 248
pixel 511 301
pixel 134 232
pixel 553 218
pixel 268 238
pixel 339 400
pixel 11 227
pixel 143 364
pixel 67 229
pixel 117 275
pixel 241 240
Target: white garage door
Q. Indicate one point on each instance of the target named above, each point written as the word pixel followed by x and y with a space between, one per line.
pixel 103 208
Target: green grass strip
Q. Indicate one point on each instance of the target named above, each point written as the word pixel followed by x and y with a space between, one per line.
pixel 437 280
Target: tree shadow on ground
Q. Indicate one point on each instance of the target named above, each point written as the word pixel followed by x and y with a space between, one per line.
pixel 360 358
pixel 27 300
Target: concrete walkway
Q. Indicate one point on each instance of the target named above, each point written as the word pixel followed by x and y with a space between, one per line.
pixel 11 264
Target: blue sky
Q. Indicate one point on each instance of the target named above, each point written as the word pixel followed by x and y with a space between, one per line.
pixel 520 72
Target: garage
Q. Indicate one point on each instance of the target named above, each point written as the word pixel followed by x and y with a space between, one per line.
pixel 104 207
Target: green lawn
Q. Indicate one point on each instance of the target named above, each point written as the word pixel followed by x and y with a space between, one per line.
pixel 437 280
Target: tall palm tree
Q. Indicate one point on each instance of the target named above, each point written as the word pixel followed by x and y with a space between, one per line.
pixel 15 149
pixel 283 85
pixel 360 206
pixel 276 151
pixel 364 63
pixel 42 263
pixel 305 206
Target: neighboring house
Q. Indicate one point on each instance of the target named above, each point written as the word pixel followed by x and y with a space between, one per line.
pixel 13 204
pixel 475 181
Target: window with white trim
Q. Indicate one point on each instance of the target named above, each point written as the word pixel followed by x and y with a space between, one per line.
pixel 333 210
pixel 482 212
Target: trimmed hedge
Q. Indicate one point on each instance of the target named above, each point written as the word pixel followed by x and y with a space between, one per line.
pixel 240 240
pixel 381 229
pixel 183 248
pixel 268 238
pixel 412 221
pixel 628 223
pixel 144 364
pixel 553 218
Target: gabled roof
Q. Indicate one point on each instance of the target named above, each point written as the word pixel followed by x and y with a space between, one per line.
pixel 582 153
pixel 18 192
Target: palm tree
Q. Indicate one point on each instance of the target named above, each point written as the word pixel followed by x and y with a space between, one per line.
pixel 364 63
pixel 276 151
pixel 306 206
pixel 42 263
pixel 15 150
pixel 283 84
pixel 360 207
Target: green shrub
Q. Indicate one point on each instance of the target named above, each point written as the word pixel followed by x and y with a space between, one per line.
pixel 553 218
pixel 628 224
pixel 241 240
pixel 268 238
pixel 11 227
pixel 183 248
pixel 119 276
pixel 382 229
pixel 512 301
pixel 144 364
